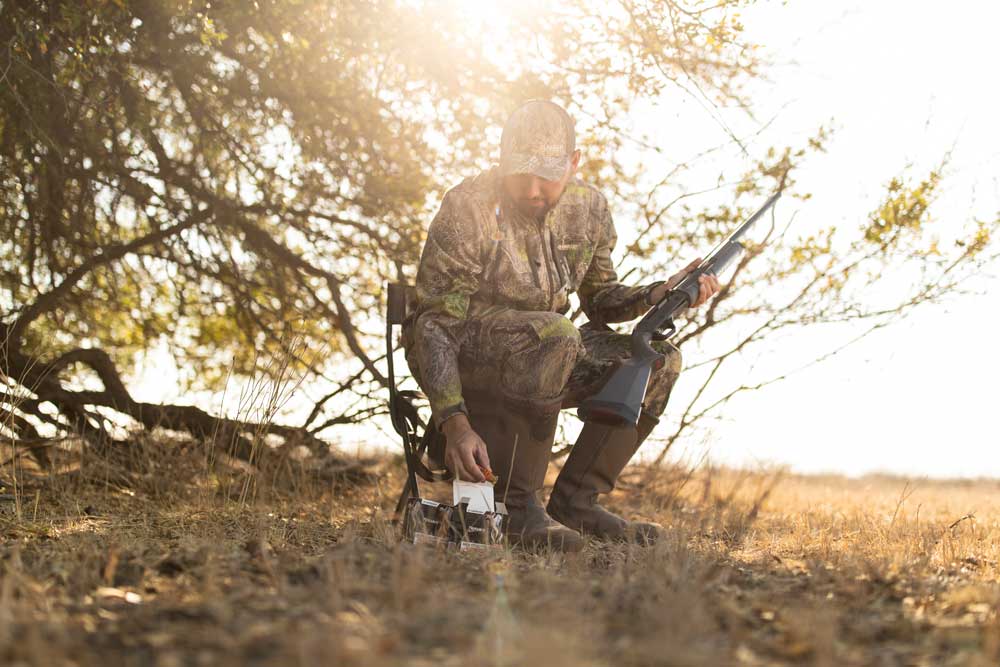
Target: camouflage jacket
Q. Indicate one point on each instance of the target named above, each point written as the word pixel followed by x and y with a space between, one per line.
pixel 481 254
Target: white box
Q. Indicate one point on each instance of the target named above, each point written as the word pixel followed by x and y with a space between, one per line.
pixel 479 495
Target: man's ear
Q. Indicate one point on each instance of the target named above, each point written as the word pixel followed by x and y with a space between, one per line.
pixel 574 162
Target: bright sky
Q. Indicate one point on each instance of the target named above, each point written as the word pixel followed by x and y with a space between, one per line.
pixel 902 83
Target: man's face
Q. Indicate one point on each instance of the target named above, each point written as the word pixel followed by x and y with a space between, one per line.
pixel 535 196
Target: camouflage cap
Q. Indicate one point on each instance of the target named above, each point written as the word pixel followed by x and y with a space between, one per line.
pixel 538 139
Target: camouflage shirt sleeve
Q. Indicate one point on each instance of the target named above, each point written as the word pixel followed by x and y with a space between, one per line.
pixel 603 298
pixel 448 274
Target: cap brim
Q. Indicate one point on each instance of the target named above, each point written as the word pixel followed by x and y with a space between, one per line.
pixel 549 168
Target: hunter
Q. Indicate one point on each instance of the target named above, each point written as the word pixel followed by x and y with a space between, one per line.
pixel 491 347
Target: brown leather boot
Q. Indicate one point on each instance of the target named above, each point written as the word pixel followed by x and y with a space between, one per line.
pixel 598 457
pixel 520 475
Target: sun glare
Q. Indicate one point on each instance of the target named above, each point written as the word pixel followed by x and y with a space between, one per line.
pixel 486 18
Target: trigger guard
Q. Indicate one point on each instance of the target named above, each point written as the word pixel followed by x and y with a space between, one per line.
pixel 665 334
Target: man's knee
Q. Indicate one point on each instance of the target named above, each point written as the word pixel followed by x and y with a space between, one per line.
pixel 524 356
pixel 546 367
pixel 672 360
pixel 524 333
pixel 555 326
pixel 558 344
pixel 661 383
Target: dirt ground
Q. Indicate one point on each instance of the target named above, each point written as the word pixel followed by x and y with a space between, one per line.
pixel 167 558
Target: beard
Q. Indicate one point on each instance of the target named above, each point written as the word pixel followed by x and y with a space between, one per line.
pixel 533 210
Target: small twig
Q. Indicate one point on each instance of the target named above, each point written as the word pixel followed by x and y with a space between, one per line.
pixel 903 496
pixel 513 454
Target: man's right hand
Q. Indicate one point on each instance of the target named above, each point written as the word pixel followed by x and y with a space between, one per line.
pixel 464 450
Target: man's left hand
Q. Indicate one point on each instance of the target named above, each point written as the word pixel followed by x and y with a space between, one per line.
pixel 708 285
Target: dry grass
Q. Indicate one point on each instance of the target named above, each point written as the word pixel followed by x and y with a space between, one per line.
pixel 158 559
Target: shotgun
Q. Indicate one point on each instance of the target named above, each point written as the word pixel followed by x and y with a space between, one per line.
pixel 620 400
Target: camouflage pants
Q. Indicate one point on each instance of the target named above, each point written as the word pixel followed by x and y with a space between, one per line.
pixel 541 362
